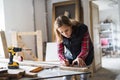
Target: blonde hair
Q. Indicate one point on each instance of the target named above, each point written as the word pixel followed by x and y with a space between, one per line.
pixel 59 22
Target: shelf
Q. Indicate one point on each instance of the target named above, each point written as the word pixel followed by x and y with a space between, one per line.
pixel 106 31
pixel 106 36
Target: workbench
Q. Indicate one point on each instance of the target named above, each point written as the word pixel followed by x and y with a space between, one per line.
pixel 51 69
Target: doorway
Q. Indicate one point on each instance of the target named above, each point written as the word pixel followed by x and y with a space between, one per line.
pixel 105 12
pixel 108 18
pixel 108 27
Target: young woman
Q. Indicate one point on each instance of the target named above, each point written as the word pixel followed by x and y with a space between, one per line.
pixel 74 43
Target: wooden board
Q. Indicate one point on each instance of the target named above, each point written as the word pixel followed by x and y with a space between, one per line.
pixel 83 69
pixel 3 74
pixel 3 71
pixel 11 74
pixel 4 44
pixel 16 73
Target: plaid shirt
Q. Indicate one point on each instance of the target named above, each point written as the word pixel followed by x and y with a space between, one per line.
pixel 84 48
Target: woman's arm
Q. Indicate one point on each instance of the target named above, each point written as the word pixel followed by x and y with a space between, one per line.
pixel 61 51
pixel 85 46
pixel 61 56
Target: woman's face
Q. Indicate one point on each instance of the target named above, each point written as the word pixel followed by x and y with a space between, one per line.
pixel 66 31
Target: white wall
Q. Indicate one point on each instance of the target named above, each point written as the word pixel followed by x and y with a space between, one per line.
pixel 19 17
pixel 86 12
pixel 2 26
pixel 24 16
pixel 111 13
pixel 40 17
pixel 2 22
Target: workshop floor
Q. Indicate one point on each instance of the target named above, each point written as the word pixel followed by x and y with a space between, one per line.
pixel 110 69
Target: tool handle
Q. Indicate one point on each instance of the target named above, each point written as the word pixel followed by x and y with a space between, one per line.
pixel 11 58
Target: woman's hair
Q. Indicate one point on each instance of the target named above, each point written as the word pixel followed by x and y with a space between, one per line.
pixel 59 22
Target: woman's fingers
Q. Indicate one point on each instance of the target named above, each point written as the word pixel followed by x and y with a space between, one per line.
pixel 66 63
pixel 82 63
pixel 73 62
pixel 79 62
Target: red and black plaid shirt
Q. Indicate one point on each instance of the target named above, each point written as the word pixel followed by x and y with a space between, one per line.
pixel 84 48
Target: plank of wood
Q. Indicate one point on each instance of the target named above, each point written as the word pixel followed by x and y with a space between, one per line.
pixel 4 44
pixel 4 78
pixel 3 74
pixel 39 45
pixel 38 69
pixel 16 73
pixel 3 71
pixel 83 69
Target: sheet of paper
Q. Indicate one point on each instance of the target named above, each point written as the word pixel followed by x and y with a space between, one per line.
pixel 51 51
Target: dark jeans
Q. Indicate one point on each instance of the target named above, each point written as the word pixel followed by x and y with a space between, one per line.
pixel 77 77
pixel 69 56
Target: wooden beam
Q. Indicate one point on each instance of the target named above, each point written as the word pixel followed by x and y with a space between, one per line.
pixel 39 46
pixel 4 44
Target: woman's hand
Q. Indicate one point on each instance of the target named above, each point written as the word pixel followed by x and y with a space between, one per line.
pixel 79 62
pixel 65 63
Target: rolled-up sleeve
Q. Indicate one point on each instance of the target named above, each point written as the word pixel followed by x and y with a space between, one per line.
pixel 85 46
pixel 61 51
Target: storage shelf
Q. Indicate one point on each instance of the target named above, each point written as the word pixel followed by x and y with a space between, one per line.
pixel 106 36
